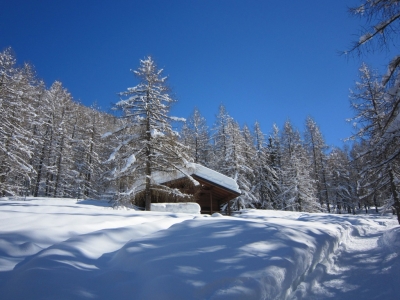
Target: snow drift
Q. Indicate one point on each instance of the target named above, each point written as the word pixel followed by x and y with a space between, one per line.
pixel 63 249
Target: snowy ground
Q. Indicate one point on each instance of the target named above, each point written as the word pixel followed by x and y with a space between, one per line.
pixel 63 249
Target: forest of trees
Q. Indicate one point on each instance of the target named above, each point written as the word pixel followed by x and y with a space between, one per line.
pixel 50 145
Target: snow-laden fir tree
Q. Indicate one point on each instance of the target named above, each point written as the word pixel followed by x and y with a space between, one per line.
pixel 147 142
pixel 195 134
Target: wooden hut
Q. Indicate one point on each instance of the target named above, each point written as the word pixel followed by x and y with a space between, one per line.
pixel 210 189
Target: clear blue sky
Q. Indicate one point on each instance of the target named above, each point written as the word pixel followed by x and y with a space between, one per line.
pixel 264 60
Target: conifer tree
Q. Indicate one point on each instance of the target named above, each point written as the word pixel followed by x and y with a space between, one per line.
pixel 195 135
pixel 382 127
pixel 266 186
pixel 316 147
pixel 343 189
pixel 298 189
pixel 377 125
pixel 17 96
pixel 220 139
pixel 147 142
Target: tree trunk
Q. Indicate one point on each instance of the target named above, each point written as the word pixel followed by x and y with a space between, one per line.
pixel 59 160
pixel 395 194
pixel 148 162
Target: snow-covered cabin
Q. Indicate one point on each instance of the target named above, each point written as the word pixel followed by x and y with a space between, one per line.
pixel 211 189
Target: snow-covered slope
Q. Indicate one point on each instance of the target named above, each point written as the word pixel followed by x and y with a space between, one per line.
pixel 63 249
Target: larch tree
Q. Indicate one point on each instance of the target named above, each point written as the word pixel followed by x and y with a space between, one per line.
pixel 373 106
pixel 195 134
pixel 17 96
pixel 298 188
pixel 316 148
pixel 147 141
pixel 266 185
pixel 59 157
pixel 220 139
pixel 236 166
pixel 382 128
pixel 343 187
pixel 231 150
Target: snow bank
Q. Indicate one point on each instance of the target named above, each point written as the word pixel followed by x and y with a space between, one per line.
pixel 182 207
pixel 63 249
pixel 391 239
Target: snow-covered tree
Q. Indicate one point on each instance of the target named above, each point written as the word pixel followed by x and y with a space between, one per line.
pixel 377 124
pixel 220 139
pixel 90 151
pixel 59 160
pixel 147 142
pixel 195 134
pixel 343 187
pixel 236 166
pixel 232 157
pixel 381 31
pixel 383 126
pixel 266 185
pixel 298 188
pixel 316 148
pixel 18 93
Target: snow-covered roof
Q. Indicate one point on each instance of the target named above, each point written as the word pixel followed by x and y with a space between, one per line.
pixel 199 171
pixel 216 177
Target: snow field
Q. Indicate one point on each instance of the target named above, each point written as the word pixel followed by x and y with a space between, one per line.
pixel 64 249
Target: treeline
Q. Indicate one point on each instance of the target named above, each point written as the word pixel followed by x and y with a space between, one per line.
pixel 50 145
pixel 281 170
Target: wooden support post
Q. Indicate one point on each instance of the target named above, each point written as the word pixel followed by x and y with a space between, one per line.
pixel 211 208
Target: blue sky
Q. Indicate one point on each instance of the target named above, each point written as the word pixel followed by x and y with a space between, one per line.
pixel 264 60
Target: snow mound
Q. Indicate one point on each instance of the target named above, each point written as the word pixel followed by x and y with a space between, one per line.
pixel 391 239
pixel 181 207
pixel 216 215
